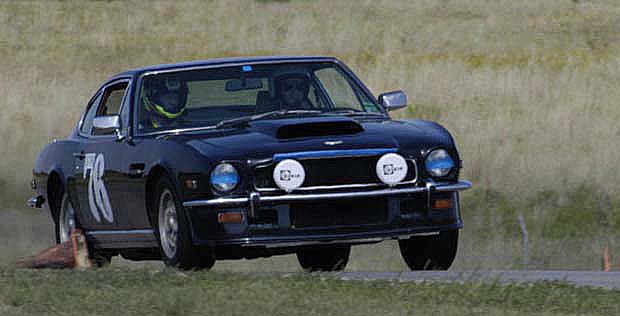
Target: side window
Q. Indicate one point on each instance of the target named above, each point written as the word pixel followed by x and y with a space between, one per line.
pixel 338 88
pixel 112 100
pixel 87 122
pixel 125 114
pixel 107 102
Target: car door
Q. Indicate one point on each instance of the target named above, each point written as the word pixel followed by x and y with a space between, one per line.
pixel 98 164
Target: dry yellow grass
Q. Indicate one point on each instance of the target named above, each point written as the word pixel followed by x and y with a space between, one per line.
pixel 528 89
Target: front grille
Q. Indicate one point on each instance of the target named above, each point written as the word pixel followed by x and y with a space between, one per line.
pixel 350 170
pixel 347 212
pixel 339 171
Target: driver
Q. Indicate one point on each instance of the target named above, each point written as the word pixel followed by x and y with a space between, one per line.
pixel 292 91
pixel 164 101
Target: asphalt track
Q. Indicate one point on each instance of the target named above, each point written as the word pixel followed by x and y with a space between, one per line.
pixel 607 280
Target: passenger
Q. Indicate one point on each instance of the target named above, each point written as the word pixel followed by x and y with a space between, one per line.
pixel 292 91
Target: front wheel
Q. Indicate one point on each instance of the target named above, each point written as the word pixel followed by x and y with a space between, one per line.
pixel 333 258
pixel 435 252
pixel 173 231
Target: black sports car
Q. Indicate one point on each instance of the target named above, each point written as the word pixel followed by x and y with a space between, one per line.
pixel 252 157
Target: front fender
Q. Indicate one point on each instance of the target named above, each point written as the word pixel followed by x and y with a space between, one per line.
pixel 433 127
pixel 178 161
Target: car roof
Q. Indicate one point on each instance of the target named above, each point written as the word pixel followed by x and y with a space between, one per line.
pixel 220 61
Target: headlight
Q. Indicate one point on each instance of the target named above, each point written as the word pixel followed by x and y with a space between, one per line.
pixel 224 177
pixel 439 163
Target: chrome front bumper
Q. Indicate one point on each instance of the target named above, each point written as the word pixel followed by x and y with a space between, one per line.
pixel 369 237
pixel 36 201
pixel 254 199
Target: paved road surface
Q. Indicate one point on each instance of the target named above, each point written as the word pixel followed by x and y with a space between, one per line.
pixel 608 280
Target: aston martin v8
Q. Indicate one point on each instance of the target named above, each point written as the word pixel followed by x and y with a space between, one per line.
pixel 194 162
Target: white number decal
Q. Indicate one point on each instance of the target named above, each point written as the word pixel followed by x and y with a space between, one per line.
pixel 98 198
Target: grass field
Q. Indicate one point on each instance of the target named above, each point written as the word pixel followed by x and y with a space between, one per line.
pixel 168 292
pixel 529 90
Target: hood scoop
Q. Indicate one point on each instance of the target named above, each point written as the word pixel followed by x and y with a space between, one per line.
pixel 321 128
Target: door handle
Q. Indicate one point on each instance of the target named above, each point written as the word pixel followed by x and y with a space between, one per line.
pixel 136 169
pixel 79 155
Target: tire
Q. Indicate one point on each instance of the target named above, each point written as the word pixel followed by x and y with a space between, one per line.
pixel 173 233
pixel 66 220
pixel 64 217
pixel 333 258
pixel 430 252
pixel 100 259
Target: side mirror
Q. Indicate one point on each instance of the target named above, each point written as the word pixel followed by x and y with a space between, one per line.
pixel 393 100
pixel 108 124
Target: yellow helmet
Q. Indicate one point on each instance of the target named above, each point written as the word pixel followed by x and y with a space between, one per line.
pixel 165 96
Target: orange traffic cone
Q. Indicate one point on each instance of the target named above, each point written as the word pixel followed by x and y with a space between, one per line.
pixel 80 250
pixel 59 256
pixel 69 254
pixel 606 260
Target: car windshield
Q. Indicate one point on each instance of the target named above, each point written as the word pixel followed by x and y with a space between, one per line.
pixel 206 97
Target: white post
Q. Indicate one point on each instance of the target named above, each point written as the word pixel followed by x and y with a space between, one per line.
pixel 525 240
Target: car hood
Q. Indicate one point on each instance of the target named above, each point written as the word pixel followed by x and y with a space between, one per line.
pixel 264 138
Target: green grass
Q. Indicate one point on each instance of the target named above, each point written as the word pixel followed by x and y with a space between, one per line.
pixel 168 292
pixel 577 214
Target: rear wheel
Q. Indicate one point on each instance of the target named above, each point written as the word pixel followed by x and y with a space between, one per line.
pixel 66 222
pixel 173 231
pixel 435 252
pixel 334 258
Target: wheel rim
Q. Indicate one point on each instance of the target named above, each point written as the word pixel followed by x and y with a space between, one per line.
pixel 168 223
pixel 66 220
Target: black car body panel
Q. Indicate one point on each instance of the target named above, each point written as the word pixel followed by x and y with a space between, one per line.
pixel 133 160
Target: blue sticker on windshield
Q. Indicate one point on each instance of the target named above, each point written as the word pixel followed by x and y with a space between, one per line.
pixel 247 68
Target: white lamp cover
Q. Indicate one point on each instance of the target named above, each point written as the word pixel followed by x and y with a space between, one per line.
pixel 391 168
pixel 289 175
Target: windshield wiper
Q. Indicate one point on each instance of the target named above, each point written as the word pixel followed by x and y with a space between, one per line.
pixel 244 120
pixel 353 113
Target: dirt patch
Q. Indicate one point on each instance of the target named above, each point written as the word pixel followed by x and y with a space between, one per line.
pixel 24 232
